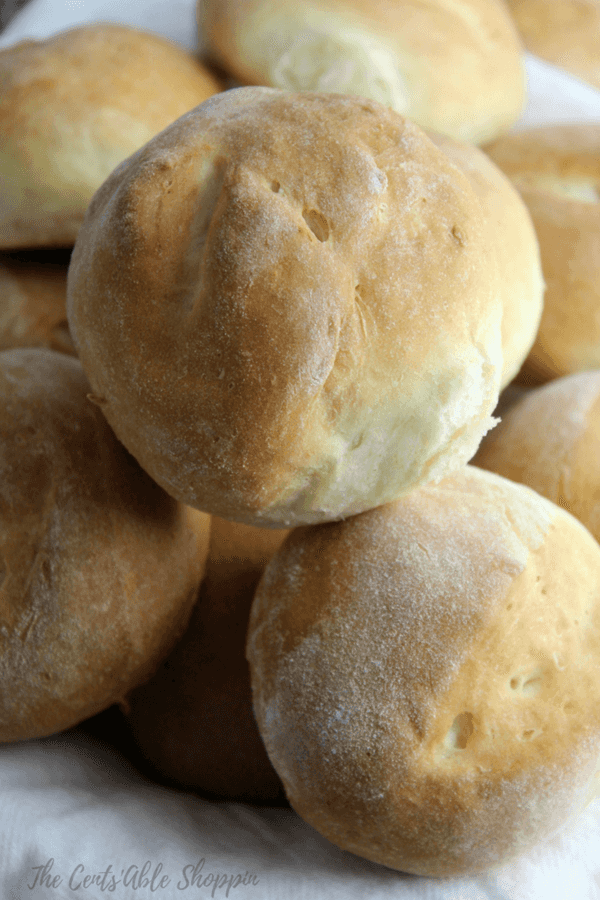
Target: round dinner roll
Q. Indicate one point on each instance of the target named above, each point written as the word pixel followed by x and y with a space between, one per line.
pixel 193 720
pixel 511 231
pixel 100 568
pixel 454 68
pixel 550 441
pixel 425 675
pixel 74 106
pixel 557 171
pixel 563 32
pixel 288 307
pixel 33 301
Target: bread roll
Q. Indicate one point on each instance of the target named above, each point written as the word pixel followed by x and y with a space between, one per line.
pixel 194 719
pixel 74 106
pixel 288 307
pixel 100 568
pixel 425 675
pixel 557 171
pixel 550 441
pixel 454 68
pixel 564 32
pixel 33 302
pixel 511 232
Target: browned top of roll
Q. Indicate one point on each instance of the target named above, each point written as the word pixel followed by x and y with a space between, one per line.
pixel 304 308
pixel 72 107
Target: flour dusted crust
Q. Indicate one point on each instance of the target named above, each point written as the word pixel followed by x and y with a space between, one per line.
pixel 100 568
pixel 208 739
pixel 564 32
pixel 550 441
pixel 288 308
pixel 511 232
pixel 33 302
pixel 557 171
pixel 453 67
pixel 72 107
pixel 425 674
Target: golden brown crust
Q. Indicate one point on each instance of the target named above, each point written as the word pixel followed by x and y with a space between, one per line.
pixel 100 568
pixel 550 441
pixel 557 171
pixel 564 32
pixel 208 739
pixel 304 309
pixel 74 106
pixel 455 67
pixel 33 303
pixel 511 233
pixel 424 675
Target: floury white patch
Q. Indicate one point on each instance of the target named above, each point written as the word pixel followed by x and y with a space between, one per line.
pixel 146 878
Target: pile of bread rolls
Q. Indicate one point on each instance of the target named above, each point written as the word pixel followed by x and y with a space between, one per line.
pixel 245 512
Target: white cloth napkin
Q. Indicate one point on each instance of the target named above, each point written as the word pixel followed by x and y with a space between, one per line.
pixel 77 821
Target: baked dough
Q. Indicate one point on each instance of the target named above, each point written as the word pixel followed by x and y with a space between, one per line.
pixel 456 68
pixel 511 231
pixel 564 32
pixel 288 307
pixel 557 171
pixel 72 107
pixel 425 675
pixel 33 301
pixel 100 568
pixel 550 441
pixel 208 740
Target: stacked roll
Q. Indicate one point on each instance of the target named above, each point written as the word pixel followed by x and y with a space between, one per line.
pixel 100 568
pixel 71 108
pixel 296 310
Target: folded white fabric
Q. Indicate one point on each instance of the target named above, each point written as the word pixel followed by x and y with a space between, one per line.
pixel 554 97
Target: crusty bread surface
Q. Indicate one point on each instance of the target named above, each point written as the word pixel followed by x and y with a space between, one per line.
pixel 288 307
pixel 72 107
pixel 424 675
pixel 100 568
pixel 550 441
